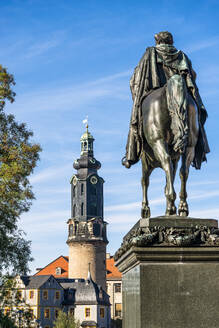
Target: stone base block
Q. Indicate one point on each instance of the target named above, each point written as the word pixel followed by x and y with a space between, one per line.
pixel 170 286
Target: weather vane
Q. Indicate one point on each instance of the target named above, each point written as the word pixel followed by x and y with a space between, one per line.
pixel 85 121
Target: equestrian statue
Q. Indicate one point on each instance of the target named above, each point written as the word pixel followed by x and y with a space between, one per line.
pixel 167 120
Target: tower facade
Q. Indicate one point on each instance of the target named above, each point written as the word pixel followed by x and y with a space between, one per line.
pixel 87 238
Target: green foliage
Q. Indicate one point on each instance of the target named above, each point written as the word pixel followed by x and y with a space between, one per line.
pixel 65 320
pixel 6 81
pixel 18 157
pixel 5 321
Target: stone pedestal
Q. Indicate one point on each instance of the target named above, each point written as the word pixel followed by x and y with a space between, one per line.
pixel 170 270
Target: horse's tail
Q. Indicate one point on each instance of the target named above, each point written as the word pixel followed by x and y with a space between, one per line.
pixel 177 103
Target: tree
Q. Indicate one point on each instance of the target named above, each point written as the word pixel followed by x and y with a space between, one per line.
pixel 18 157
pixel 65 320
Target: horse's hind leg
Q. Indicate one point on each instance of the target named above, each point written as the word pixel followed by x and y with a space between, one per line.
pixel 146 172
pixel 187 159
pixel 162 155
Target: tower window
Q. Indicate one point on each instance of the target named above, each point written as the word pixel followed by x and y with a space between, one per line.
pixel 74 188
pixel 74 210
pixel 93 209
pixel 71 230
pixel 93 190
pixel 82 189
pixel 82 208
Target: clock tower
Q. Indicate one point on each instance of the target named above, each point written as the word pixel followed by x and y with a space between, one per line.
pixel 87 237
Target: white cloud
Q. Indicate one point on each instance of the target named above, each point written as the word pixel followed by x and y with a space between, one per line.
pixel 68 97
pixel 40 48
pixel 203 195
pixel 132 206
pixel 202 44
pixel 49 173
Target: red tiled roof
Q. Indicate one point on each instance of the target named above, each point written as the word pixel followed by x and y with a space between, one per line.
pixel 62 262
pixel 112 271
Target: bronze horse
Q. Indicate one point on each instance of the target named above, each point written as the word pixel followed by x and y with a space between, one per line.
pixel 159 150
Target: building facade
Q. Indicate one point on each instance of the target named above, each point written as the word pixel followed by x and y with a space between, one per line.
pixel 46 295
pixel 113 280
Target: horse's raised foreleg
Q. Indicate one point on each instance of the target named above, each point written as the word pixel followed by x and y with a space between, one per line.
pixel 146 171
pixel 187 159
pixel 162 155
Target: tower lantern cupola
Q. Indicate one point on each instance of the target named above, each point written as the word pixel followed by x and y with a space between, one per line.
pixel 87 143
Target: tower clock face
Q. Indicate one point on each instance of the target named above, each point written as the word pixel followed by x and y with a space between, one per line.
pixel 75 180
pixel 92 160
pixel 93 180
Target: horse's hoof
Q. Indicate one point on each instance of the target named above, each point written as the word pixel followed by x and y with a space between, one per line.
pixel 181 213
pixel 183 209
pixel 145 212
pixel 171 211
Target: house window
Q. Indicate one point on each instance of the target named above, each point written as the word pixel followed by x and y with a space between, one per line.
pixel 117 288
pixel 72 311
pixel 87 312
pixel 31 313
pixel 57 295
pixel 31 294
pixel 56 313
pixel 58 271
pixel 7 311
pixel 118 309
pixel 19 294
pixel 45 294
pixel 102 312
pixel 47 313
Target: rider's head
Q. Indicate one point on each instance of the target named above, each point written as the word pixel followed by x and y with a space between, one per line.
pixel 163 38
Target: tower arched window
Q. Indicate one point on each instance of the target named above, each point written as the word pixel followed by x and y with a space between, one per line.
pixel 71 230
pixel 82 189
pixel 74 188
pixel 74 210
pixel 93 209
pixel 93 190
pixel 82 208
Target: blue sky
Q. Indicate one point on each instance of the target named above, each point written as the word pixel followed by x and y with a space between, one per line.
pixel 75 58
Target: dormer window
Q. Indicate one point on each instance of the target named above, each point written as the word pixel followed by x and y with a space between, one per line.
pixel 58 271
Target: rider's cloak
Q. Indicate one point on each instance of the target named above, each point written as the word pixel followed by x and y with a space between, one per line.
pixel 155 67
